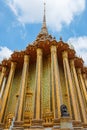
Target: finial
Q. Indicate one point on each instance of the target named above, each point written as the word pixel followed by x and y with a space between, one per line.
pixel 60 38
pixel 44 11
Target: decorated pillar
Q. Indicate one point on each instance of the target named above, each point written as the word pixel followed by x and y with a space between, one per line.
pixel 37 103
pixel 70 84
pixel 83 88
pixel 50 89
pixel 6 92
pixel 67 88
pixel 19 111
pixel 85 80
pixel 3 87
pixel 2 76
pixel 80 100
pixel 72 67
pixel 56 85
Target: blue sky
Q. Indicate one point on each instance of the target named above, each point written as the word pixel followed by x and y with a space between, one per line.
pixel 21 21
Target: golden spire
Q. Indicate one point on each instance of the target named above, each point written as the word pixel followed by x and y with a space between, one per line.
pixel 44 27
pixel 44 32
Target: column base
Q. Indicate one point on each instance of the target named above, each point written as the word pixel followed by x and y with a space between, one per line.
pixel 56 124
pixel 84 126
pixel 17 125
pixel 77 125
pixel 16 128
pixel 66 123
pixel 36 124
pixel 1 126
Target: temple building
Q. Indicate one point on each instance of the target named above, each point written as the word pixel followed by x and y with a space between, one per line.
pixel 43 87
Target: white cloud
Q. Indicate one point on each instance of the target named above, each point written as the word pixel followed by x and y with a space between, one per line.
pixel 80 45
pixel 4 53
pixel 59 12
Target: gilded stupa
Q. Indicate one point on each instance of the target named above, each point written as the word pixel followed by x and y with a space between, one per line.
pixel 43 87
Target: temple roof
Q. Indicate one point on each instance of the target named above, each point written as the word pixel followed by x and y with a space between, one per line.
pixel 44 41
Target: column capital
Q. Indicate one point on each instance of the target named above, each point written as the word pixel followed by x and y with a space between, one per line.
pixel 3 69
pixel 26 58
pixel 72 62
pixel 65 54
pixel 53 49
pixel 13 65
pixel 39 51
pixel 79 70
pixel 84 75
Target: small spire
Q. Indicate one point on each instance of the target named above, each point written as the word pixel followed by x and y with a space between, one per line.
pixel 60 38
pixel 44 27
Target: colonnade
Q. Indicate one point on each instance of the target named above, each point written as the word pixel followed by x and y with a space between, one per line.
pixel 75 102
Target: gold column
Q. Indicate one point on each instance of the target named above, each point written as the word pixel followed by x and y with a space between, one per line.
pixel 3 87
pixel 85 80
pixel 37 107
pixel 19 111
pixel 82 84
pixel 81 104
pixel 69 80
pixel 56 85
pixel 6 93
pixel 52 79
pixel 50 97
pixel 2 76
pixel 67 89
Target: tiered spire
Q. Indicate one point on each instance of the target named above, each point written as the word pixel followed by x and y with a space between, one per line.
pixel 44 31
pixel 44 27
